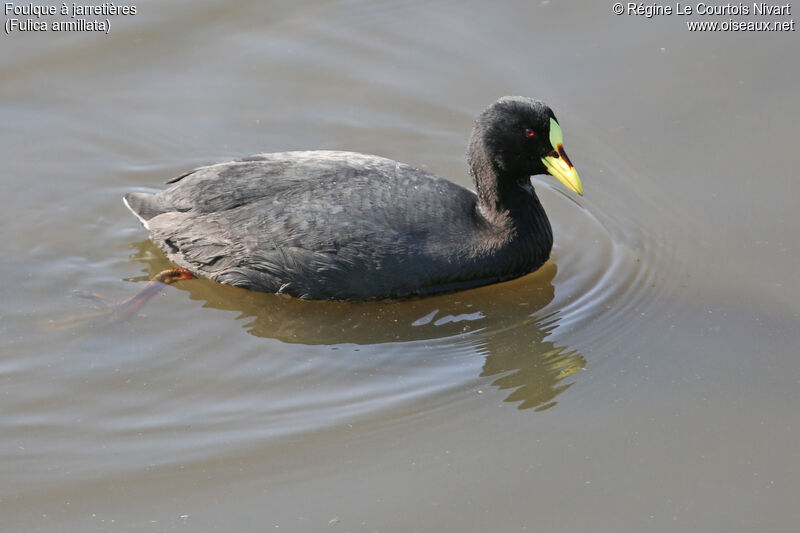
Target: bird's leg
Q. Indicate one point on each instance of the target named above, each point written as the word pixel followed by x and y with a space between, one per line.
pixel 153 287
pixel 98 299
pixel 123 310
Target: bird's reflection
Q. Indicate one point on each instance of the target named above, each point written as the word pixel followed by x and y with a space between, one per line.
pixel 505 322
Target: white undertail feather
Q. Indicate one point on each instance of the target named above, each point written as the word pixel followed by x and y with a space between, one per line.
pixel 143 221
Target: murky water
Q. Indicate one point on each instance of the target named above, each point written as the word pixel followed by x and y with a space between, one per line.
pixel 646 379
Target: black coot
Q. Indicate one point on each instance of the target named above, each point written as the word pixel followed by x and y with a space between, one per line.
pixel 343 225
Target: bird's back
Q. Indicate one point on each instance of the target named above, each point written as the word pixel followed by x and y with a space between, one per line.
pixel 317 224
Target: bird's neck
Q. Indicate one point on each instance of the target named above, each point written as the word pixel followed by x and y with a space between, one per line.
pixel 503 196
pixel 512 210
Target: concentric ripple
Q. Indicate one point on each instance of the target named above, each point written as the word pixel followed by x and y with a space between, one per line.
pixel 310 365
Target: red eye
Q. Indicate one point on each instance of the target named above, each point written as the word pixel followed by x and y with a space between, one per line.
pixel 530 133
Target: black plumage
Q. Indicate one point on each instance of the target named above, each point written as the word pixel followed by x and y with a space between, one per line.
pixel 342 225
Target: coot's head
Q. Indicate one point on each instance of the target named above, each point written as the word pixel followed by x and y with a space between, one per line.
pixel 520 137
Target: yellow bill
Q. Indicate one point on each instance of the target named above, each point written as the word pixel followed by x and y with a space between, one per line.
pixel 557 162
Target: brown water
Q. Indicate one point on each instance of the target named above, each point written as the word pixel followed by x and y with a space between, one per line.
pixel 646 379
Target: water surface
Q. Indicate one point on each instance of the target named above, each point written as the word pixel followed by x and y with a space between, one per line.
pixel 644 380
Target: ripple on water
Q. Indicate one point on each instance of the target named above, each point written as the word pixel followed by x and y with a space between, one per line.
pixel 307 366
pixel 524 337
